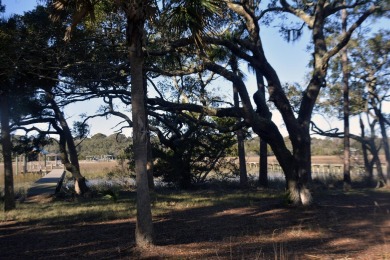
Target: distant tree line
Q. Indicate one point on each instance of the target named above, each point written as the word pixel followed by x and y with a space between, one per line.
pixel 97 145
pixel 116 145
pixel 319 146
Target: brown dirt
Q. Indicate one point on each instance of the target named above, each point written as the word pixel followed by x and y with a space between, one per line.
pixel 338 226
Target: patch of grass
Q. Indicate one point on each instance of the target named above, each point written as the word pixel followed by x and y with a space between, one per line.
pixel 104 207
pixel 91 209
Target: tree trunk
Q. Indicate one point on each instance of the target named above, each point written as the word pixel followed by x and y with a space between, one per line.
pixel 382 124
pixel 134 34
pixel 69 156
pixel 25 161
pixel 144 228
pixel 386 148
pixel 240 147
pixel 367 165
pixel 9 195
pixel 344 65
pixel 263 160
pixel 241 158
pixel 149 166
pixel 239 133
pixel 298 184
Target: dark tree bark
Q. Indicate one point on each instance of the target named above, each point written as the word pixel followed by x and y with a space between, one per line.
pixel 367 165
pixel 263 160
pixel 296 167
pixel 135 11
pixel 372 84
pixel 9 196
pixel 69 156
pixel 385 147
pixel 240 132
pixel 149 166
pixel 346 104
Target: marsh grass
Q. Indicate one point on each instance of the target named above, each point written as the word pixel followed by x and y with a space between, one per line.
pixel 21 183
pixel 97 170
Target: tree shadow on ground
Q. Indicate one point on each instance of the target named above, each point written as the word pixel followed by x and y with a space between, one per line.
pixel 354 225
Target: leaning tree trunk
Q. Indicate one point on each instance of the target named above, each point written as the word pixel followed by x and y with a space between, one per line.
pixel 9 196
pixel 69 157
pixel 80 183
pixel 135 12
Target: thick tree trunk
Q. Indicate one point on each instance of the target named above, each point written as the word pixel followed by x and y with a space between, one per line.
pixel 300 193
pixel 9 195
pixel 135 11
pixel 296 166
pixel 263 160
pixel 144 228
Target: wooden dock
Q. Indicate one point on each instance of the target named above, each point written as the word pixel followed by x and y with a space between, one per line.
pixel 47 185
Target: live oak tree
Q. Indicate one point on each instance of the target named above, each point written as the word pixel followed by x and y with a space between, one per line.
pixel 44 56
pixel 315 17
pixel 191 143
pixel 248 46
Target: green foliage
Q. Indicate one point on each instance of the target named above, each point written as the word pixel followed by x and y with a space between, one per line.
pixel 192 153
pixel 80 130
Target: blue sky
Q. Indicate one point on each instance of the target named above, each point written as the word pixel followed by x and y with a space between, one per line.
pixel 18 6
